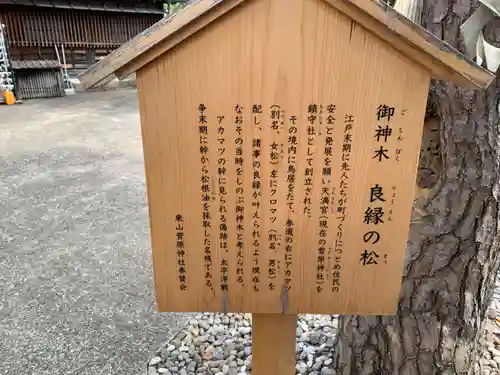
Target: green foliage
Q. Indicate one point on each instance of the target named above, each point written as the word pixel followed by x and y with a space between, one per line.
pixel 175 7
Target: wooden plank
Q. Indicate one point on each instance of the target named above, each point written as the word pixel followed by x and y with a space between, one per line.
pixel 440 58
pixel 241 208
pixel 273 344
pixel 168 43
pixel 152 36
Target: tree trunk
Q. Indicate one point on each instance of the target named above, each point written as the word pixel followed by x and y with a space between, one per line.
pixel 452 254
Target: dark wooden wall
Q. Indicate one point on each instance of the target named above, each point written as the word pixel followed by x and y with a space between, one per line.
pixel 87 35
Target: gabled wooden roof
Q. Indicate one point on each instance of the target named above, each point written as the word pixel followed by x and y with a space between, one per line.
pixel 443 61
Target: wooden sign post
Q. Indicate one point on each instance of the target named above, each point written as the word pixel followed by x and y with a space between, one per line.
pixel 281 155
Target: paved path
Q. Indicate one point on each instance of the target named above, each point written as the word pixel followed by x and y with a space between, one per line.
pixel 76 290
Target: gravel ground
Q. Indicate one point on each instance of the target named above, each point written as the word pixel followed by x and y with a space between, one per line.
pixel 491 355
pixel 217 344
pixel 76 290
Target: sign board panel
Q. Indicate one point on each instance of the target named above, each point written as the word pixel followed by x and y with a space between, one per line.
pixel 281 164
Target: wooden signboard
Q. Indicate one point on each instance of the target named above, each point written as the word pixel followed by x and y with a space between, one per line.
pixel 281 179
pixel 281 140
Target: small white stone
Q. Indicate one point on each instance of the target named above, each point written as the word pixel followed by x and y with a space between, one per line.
pixel 323 323
pixel 301 368
pixel 305 337
pixel 245 330
pixel 195 331
pixel 154 361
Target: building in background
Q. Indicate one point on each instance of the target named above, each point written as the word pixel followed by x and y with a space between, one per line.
pixel 88 30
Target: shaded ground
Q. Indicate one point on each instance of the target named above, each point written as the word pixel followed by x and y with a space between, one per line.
pixel 76 290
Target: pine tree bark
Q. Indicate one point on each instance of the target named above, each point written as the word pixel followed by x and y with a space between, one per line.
pixel 452 253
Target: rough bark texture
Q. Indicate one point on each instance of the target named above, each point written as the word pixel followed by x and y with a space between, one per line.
pixel 452 254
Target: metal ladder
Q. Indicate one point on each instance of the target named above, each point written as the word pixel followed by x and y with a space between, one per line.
pixel 68 86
